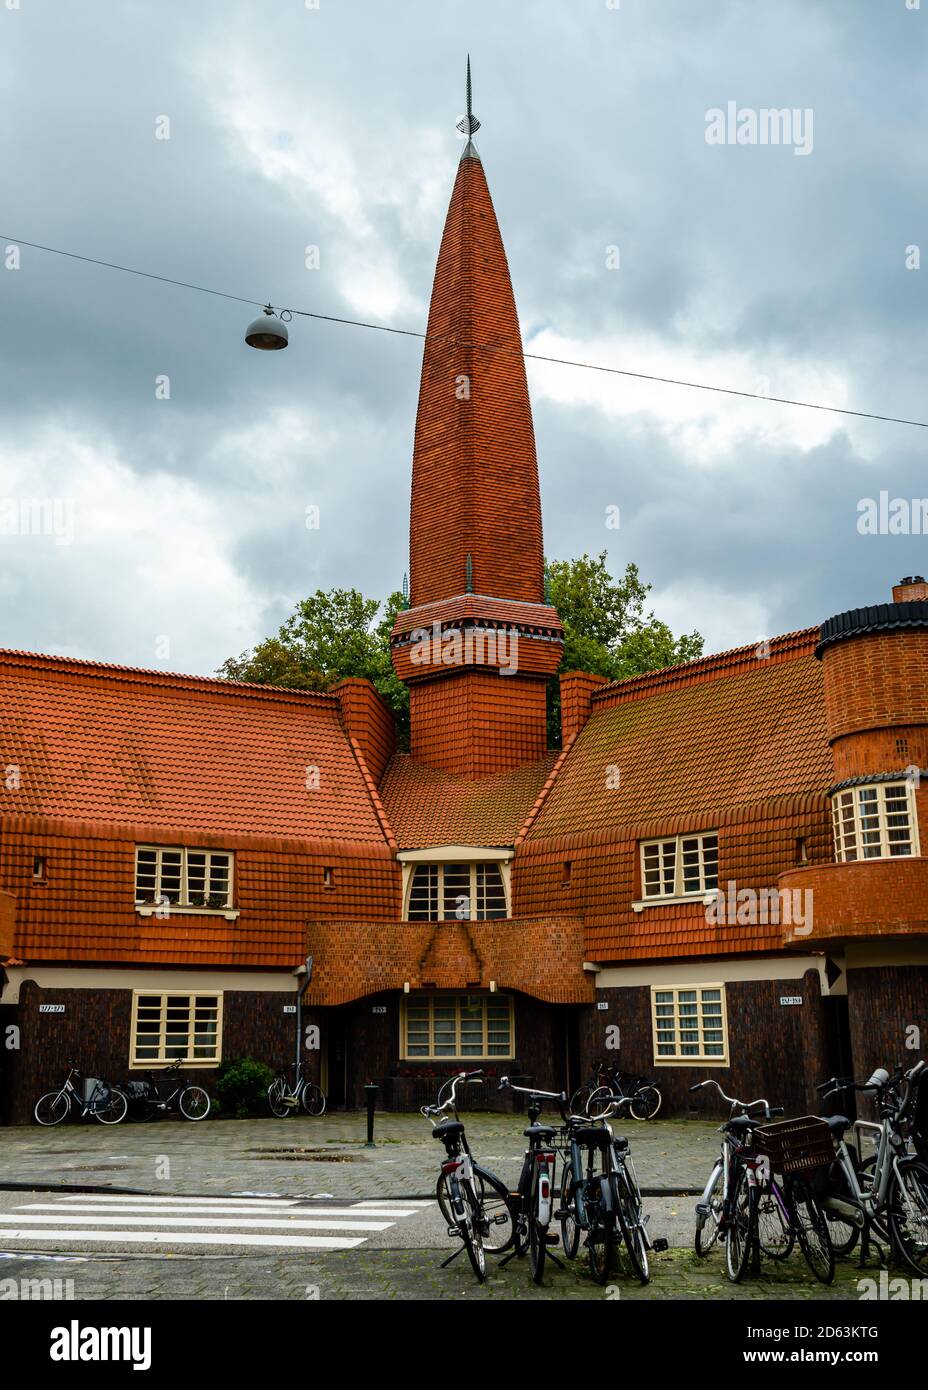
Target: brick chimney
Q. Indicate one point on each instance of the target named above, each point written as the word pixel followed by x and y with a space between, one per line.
pixel 577 689
pixel 910 590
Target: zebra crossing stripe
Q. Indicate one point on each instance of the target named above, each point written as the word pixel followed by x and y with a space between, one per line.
pixel 252 1222
pixel 166 1238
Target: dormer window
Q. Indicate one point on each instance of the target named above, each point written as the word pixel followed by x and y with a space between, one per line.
pixel 875 820
pixel 448 890
pixel 186 878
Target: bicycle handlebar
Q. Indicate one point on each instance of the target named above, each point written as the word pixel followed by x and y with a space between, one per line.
pixel 744 1105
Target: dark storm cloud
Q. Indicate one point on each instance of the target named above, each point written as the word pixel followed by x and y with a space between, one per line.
pixel 333 127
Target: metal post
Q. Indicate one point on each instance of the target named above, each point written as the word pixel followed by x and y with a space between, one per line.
pixel 370 1092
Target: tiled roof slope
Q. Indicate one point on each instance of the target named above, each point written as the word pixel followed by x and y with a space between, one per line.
pixel 111 744
pixel 732 744
pixel 752 732
pixel 427 807
pixel 475 475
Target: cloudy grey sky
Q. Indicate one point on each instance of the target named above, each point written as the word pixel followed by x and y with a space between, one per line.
pixel 294 126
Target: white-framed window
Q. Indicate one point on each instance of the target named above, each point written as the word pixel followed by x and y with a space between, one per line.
pixel 175 1028
pixel 436 1027
pixel 690 1024
pixel 183 877
pixel 875 821
pixel 457 892
pixel 680 866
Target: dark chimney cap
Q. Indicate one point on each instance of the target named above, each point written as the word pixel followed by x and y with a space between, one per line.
pixel 913 579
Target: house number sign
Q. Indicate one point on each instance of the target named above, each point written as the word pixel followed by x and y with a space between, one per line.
pixel 378 1009
pixel 289 1008
pixel 790 998
pixel 51 1008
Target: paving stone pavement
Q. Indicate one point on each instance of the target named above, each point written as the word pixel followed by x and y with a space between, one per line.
pixel 415 1274
pixel 310 1157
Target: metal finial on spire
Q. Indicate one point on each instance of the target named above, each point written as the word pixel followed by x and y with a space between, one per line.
pixel 468 124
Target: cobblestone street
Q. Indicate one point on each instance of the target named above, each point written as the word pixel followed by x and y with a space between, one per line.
pixel 301 1209
pixel 309 1157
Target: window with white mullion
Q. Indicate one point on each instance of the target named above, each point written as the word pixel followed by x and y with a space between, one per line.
pixel 456 891
pixel 680 866
pixel 689 1024
pixel 874 821
pixel 183 877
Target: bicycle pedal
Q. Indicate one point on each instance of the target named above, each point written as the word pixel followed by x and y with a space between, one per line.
pixel 552 1238
pixel 660 1244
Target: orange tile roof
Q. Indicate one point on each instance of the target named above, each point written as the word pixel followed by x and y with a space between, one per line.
pixel 694 739
pixel 103 743
pixel 427 806
pixel 475 475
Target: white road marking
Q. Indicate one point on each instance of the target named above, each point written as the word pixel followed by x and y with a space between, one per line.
pixel 232 1209
pixel 190 1238
pixel 174 1222
pixel 118 1198
pixel 286 1224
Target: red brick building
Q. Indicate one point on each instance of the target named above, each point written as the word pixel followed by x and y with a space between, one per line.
pixel 721 869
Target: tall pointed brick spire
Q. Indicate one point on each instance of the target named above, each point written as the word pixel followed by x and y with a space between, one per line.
pixel 476 555
pixel 475 475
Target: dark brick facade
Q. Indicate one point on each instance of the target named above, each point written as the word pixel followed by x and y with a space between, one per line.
pixel 777 1051
pixel 94 1031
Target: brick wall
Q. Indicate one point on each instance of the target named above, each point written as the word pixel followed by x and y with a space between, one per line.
pixel 94 1031
pixel 774 1049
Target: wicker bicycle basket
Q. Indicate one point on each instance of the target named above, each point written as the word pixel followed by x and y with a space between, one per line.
pixel 796 1146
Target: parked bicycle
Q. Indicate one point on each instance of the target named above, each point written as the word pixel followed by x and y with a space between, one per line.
pixel 752 1210
pixel 104 1102
pixel 607 1082
pixel 882 1200
pixel 146 1100
pixel 465 1193
pixel 534 1197
pixel 284 1098
pixel 600 1196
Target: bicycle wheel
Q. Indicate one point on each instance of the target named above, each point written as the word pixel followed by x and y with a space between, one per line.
pixel 844 1234
pixel 276 1099
pixel 600 1240
pixel 599 1100
pixel 775 1234
pixel 52 1108
pixel 462 1203
pixel 908 1215
pixel 742 1227
pixel 313 1099
pixel 194 1103
pixel 645 1103
pixel 628 1209
pixel 570 1229
pixel 579 1100
pixel 811 1230
pixel 537 1232
pixel 497 1228
pixel 114 1110
pixel 709 1223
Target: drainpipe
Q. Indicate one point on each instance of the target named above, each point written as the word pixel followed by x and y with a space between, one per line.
pixel 304 974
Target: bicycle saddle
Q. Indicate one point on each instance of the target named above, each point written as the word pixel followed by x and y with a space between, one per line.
pixel 838 1124
pixel 742 1123
pixel 593 1137
pixel 448 1129
pixel 540 1132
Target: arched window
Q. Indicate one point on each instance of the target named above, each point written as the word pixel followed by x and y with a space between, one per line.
pixel 457 892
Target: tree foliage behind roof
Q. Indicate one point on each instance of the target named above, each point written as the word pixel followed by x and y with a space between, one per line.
pixel 338 633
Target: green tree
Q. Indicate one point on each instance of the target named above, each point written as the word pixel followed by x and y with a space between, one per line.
pixel 606 628
pixel 340 633
pixel 328 636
